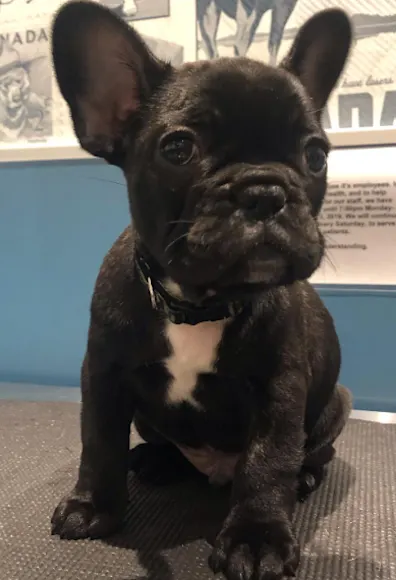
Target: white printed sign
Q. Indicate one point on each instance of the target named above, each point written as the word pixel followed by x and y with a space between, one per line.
pixel 358 218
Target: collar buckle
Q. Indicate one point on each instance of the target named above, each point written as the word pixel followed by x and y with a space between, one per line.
pixel 153 298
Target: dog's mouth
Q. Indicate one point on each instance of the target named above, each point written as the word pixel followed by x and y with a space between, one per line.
pixel 256 274
pixel 229 259
pixel 238 276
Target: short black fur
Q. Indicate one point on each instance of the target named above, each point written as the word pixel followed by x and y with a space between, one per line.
pixel 225 163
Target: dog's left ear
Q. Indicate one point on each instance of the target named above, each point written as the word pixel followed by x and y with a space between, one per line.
pixel 106 73
pixel 319 53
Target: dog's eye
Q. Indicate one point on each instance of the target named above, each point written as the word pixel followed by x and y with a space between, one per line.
pixel 316 158
pixel 178 149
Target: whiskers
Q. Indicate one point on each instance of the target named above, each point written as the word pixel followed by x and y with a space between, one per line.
pixel 107 181
pixel 179 238
pixel 328 259
pixel 173 242
pixel 316 111
pixel 327 255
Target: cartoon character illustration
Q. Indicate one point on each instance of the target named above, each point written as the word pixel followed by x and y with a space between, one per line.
pixel 248 15
pixel 22 111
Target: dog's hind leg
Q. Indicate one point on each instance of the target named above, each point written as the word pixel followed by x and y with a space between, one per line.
pixel 208 16
pixel 281 13
pixel 319 447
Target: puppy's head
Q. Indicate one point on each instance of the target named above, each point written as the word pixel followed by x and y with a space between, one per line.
pixel 225 161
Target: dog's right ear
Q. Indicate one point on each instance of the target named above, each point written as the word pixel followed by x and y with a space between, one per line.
pixel 106 73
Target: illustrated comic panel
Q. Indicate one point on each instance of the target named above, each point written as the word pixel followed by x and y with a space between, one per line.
pixel 31 107
pixel 25 84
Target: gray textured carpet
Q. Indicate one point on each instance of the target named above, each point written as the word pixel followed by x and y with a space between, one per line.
pixel 347 530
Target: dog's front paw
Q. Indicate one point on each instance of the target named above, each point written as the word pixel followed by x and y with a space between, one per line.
pixel 255 550
pixel 76 518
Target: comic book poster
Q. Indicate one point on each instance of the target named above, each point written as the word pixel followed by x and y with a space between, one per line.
pixel 25 84
pixel 32 111
pixel 264 29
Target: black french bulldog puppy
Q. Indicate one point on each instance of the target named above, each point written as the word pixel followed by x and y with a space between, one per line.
pixel 203 329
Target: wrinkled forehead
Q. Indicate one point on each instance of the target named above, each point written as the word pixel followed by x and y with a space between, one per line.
pixel 239 95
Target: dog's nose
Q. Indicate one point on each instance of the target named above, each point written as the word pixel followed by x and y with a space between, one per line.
pixel 262 201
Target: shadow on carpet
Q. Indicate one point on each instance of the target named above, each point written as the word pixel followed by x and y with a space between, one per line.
pixel 347 529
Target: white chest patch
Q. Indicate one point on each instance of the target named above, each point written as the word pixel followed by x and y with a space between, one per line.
pixel 193 351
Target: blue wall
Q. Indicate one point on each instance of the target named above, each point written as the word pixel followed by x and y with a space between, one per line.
pixel 57 220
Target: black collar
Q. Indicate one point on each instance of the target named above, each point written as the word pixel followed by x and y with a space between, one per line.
pixel 181 311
